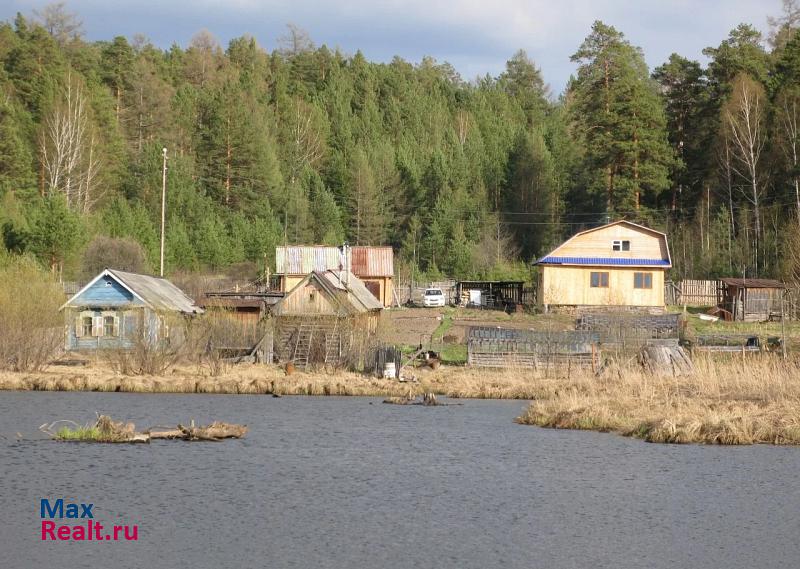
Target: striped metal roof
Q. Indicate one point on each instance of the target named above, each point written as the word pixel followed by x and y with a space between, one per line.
pixel 365 261
pixel 601 261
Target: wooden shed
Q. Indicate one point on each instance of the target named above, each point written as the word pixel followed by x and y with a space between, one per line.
pixel 374 266
pixel 619 264
pixel 752 300
pixel 503 295
pixel 328 318
pixel 117 308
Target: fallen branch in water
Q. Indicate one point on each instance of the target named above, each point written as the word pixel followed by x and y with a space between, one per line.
pixel 215 432
pixel 428 400
pixel 106 430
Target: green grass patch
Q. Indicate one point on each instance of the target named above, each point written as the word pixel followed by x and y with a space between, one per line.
pixel 442 328
pixel 78 434
pixel 454 354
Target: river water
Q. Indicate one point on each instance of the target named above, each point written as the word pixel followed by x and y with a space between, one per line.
pixel 351 483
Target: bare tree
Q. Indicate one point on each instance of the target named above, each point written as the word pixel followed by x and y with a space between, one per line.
pixel 463 126
pixel 724 159
pixel 295 41
pixel 62 25
pixel 306 143
pixel 788 118
pixel 782 26
pixel 67 149
pixel 745 119
pixel 203 51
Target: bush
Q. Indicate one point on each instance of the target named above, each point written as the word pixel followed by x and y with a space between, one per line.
pixel 149 356
pixel 108 252
pixel 31 327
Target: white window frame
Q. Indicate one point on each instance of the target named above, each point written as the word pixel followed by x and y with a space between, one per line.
pixel 618 245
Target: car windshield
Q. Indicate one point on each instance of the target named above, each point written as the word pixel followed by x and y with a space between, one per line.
pixel 433 292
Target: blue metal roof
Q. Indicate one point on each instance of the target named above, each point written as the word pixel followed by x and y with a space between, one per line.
pixel 603 261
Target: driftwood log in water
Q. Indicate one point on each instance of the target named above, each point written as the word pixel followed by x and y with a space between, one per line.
pixel 216 431
pixel 428 400
pixel 106 430
pixel 118 432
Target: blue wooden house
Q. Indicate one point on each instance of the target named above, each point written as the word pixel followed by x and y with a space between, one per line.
pixel 116 308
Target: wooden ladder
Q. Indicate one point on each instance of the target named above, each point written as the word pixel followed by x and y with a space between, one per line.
pixel 302 346
pixel 333 345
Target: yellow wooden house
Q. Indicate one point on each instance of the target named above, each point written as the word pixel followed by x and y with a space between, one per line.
pixel 619 264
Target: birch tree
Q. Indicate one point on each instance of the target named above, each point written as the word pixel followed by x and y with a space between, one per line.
pixel 745 120
pixel 68 149
pixel 788 134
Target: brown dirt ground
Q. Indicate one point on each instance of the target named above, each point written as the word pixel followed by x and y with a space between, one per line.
pixel 410 326
pixel 407 326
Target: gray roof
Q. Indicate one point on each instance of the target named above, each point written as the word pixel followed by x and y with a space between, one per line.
pixel 359 296
pixel 158 292
pixel 345 289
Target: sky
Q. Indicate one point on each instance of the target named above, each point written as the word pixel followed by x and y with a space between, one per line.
pixel 476 36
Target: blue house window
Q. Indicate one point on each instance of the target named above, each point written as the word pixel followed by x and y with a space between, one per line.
pixel 642 280
pixel 599 280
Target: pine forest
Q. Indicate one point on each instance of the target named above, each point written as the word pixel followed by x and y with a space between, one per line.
pixel 469 178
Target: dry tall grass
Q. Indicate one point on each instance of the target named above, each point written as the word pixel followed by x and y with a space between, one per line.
pixel 724 402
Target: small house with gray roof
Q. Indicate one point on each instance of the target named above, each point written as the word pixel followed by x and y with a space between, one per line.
pixel 618 264
pixel 118 308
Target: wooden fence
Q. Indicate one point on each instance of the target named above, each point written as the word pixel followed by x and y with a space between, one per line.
pixel 504 348
pixel 692 292
pixel 629 329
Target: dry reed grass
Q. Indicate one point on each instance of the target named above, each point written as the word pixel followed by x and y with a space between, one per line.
pixel 726 401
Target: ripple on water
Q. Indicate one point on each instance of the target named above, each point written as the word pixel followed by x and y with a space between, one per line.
pixel 348 482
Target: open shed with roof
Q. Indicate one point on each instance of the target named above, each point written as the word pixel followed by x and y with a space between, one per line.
pixel 618 264
pixel 752 300
pixel 116 308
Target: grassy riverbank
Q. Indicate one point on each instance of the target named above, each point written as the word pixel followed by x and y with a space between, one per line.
pixel 452 381
pixel 726 401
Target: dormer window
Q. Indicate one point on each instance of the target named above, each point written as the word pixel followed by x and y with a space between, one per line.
pixel 619 245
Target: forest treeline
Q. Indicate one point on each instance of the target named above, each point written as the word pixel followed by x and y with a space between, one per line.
pixel 468 179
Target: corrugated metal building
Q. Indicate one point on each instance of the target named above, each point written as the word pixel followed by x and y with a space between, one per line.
pixel 374 266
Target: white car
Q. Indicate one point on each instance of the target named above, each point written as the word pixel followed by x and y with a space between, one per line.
pixel 433 297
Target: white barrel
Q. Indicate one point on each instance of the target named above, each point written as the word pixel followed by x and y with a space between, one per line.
pixel 390 370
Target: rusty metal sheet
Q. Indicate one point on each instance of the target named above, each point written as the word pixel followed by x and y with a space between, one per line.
pixel 365 261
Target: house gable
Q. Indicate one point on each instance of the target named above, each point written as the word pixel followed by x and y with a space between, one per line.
pixel 617 244
pixel 104 291
pixel 310 297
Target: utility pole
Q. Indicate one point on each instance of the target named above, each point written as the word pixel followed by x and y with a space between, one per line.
pixel 163 205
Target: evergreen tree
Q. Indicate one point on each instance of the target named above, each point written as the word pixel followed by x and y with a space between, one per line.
pixel 620 122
